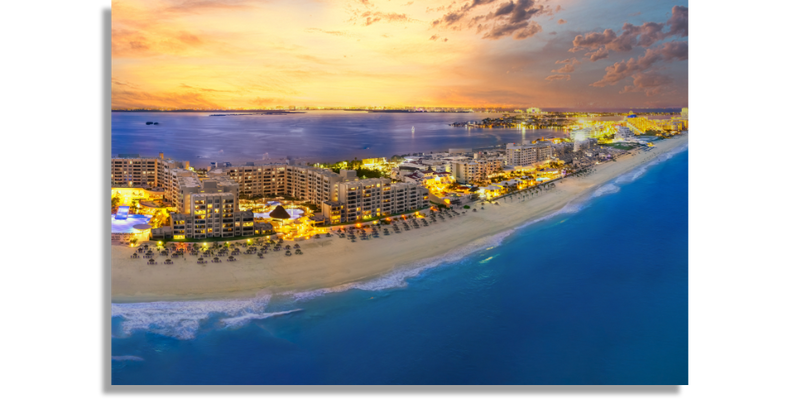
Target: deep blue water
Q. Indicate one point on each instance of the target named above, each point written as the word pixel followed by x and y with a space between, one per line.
pixel 595 295
pixel 320 136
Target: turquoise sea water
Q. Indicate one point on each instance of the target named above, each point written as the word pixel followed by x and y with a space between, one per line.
pixel 596 294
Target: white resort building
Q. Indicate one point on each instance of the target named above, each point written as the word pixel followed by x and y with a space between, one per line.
pixel 370 198
pixel 526 153
pixel 205 209
pixel 132 170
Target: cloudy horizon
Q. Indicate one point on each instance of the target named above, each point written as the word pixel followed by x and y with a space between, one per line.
pixel 485 53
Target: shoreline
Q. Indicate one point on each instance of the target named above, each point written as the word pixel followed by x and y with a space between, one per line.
pixel 335 263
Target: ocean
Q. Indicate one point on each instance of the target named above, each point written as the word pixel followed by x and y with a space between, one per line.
pixel 320 136
pixel 594 294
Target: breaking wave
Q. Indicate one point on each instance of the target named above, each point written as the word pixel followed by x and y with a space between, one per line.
pixel 609 188
pixel 639 171
pixel 182 319
pixel 397 278
pixel 242 320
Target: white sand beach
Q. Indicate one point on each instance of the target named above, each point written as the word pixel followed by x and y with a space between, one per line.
pixel 331 262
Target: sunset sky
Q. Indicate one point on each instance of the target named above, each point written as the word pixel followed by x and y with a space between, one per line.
pixel 261 53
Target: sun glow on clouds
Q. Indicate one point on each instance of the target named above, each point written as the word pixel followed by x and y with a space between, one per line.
pixel 248 54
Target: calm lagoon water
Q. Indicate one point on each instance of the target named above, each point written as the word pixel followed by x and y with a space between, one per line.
pixel 320 136
pixel 597 294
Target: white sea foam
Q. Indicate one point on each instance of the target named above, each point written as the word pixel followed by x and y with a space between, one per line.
pixel 242 320
pixel 181 319
pixel 609 188
pixel 126 358
pixel 635 174
pixel 397 278
pixel 571 207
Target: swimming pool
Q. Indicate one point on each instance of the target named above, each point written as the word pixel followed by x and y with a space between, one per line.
pixel 126 225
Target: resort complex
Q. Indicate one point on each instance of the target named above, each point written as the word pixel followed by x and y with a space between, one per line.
pixel 165 199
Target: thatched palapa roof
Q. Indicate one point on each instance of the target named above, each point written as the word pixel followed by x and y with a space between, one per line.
pixel 279 213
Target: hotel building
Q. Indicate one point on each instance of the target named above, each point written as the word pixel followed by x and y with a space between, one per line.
pixel 370 198
pixel 624 134
pixel 472 171
pixel 525 153
pixel 132 170
pixel 579 137
pixel 301 182
pixel 207 208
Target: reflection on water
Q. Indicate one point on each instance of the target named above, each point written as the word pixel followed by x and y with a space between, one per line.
pixel 320 136
pixel 126 225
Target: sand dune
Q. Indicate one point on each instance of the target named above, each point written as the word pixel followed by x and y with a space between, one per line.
pixel 330 262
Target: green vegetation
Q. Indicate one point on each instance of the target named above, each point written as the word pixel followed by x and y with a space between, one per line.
pixel 369 173
pixel 114 202
pixel 650 132
pixel 466 207
pixel 360 172
pixel 622 146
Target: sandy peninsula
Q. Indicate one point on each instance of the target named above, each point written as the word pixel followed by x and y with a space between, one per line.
pixel 331 262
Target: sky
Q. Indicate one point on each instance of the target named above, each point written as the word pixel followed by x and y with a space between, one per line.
pixel 215 54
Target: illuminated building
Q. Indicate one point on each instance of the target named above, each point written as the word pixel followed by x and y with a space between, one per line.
pixel 624 134
pixel 207 208
pixel 640 125
pixel 369 198
pixel 467 172
pixel 301 182
pixel 579 138
pixel 132 170
pixel 685 113
pixel 373 162
pixel 525 153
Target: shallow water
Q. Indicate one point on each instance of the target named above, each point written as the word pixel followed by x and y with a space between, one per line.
pixel 594 294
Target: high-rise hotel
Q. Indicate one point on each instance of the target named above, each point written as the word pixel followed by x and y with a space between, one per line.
pixel 132 170
pixel 369 198
pixel 207 208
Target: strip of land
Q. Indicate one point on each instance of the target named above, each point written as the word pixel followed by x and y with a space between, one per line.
pixel 331 262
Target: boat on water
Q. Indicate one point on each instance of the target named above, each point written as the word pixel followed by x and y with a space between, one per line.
pixel 149 123
pixel 412 129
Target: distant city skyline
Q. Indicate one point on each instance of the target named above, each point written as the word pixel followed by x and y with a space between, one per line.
pixel 590 55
